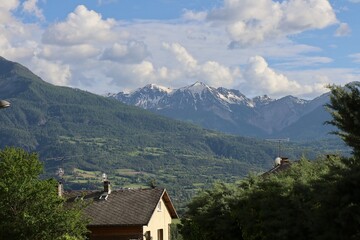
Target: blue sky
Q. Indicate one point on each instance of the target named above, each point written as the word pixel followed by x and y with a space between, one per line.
pixel 259 47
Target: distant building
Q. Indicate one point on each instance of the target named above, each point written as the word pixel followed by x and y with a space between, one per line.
pixel 127 213
pixel 281 164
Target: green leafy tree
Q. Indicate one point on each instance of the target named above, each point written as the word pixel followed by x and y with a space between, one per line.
pixel 279 206
pixel 336 202
pixel 30 207
pixel 344 107
pixel 175 232
pixel 209 215
pixel 282 206
pixel 338 215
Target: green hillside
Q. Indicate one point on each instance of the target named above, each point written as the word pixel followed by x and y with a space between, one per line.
pixel 87 134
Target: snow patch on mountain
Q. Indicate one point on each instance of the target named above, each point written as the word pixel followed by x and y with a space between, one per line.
pixel 157 87
pixel 196 90
pixel 232 96
pixel 262 100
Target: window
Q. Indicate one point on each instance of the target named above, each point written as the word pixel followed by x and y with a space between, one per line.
pixel 159 207
pixel 160 234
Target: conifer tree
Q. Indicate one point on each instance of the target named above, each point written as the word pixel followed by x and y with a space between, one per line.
pixel 344 107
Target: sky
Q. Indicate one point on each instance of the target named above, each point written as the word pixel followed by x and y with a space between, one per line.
pixel 278 48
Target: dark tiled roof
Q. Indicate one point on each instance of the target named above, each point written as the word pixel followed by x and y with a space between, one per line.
pixel 122 207
pixel 284 165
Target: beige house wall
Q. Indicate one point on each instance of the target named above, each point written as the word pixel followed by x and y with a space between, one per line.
pixel 159 220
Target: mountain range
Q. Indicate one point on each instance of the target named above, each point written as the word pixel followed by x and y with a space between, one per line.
pixel 230 111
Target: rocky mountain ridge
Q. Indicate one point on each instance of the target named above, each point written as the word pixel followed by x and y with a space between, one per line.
pixel 230 111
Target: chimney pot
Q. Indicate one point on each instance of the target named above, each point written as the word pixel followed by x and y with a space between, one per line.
pixel 60 189
pixel 107 187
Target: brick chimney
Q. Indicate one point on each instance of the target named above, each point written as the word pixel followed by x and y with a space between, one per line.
pixel 107 187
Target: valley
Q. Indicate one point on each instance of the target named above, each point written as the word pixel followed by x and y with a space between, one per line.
pixel 87 134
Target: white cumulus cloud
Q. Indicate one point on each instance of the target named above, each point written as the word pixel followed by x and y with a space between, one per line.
pixel 124 74
pixel 98 54
pixel 9 5
pixel 132 52
pixel 54 72
pixel 182 55
pixel 81 26
pixel 18 40
pixel 194 16
pixel 5 11
pixel 70 54
pixel 30 6
pixel 211 72
pixel 260 78
pixel 250 22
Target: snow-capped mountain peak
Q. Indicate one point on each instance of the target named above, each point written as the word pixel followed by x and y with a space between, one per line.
pixel 262 100
pixel 147 97
pixel 196 88
pixel 294 100
pixel 232 96
pixel 153 87
pixel 223 109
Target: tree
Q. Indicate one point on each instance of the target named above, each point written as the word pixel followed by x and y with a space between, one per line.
pixel 29 206
pixel 336 201
pixel 209 215
pixel 344 107
pixel 279 206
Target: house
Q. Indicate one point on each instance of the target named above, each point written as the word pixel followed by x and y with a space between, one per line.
pixel 127 213
pixel 281 164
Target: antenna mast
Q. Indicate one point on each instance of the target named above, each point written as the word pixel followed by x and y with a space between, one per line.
pixel 279 141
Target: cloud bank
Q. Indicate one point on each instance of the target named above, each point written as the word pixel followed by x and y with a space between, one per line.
pixel 243 44
pixel 251 22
